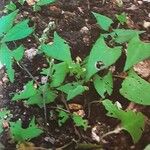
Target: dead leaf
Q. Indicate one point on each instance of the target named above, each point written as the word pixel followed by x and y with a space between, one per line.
pixel 31 2
pixel 74 106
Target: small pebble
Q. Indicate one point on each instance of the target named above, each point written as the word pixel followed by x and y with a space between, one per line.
pixel 146 24
pixel 140 2
pixel 30 53
pixel 84 30
pixel 5 79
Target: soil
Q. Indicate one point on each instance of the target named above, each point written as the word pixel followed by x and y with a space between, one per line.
pixel 75 23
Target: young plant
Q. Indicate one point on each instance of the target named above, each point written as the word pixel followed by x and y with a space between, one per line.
pixel 122 18
pixel 132 122
pixel 20 134
pixel 8 33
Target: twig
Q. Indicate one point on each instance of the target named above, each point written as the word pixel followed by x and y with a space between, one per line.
pixel 116 131
pixel 60 109
pixel 30 75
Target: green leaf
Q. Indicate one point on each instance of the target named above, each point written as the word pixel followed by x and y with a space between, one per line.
pixel 60 72
pixel 79 121
pixel 59 50
pixel 7 58
pixel 44 2
pixel 20 134
pixel 125 35
pixel 136 52
pixel 72 90
pixel 35 96
pixel 103 84
pixel 103 21
pixel 21 1
pixel 29 90
pixel 3 115
pixel 63 117
pixel 19 31
pixel 79 89
pixel 136 89
pixel 6 22
pixel 17 54
pixel 11 6
pixel 133 122
pixel 101 53
pixel 39 98
pixel 67 87
pixel 122 18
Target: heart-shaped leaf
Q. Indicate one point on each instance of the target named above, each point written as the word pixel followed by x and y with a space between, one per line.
pixel 59 50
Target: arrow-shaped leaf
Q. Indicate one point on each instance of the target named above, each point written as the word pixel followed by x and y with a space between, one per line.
pixel 136 52
pixel 19 31
pixel 101 53
pixel 6 22
pixel 7 58
pixel 103 21
pixel 59 50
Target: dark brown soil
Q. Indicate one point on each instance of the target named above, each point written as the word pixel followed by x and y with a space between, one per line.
pixel 70 16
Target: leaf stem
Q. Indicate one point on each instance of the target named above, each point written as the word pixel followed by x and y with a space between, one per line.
pixel 45 87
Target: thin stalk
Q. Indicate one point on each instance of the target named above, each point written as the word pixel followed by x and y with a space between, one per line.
pixel 28 72
pixel 45 88
pixel 116 131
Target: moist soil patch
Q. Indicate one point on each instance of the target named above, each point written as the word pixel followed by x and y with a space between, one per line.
pixel 74 22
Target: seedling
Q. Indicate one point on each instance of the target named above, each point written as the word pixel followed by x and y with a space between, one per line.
pixel 122 18
pixel 61 66
pixel 8 33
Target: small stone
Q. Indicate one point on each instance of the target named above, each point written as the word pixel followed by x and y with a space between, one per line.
pixel 5 124
pixel 43 80
pixel 140 2
pixel 30 53
pixel 31 2
pixel 95 137
pixel 146 1
pixel 133 7
pixel 5 79
pixel 84 30
pixel 146 24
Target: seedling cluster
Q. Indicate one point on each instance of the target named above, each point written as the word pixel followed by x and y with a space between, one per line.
pixel 61 66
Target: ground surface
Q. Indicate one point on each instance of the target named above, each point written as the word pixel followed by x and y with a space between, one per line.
pixel 71 18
